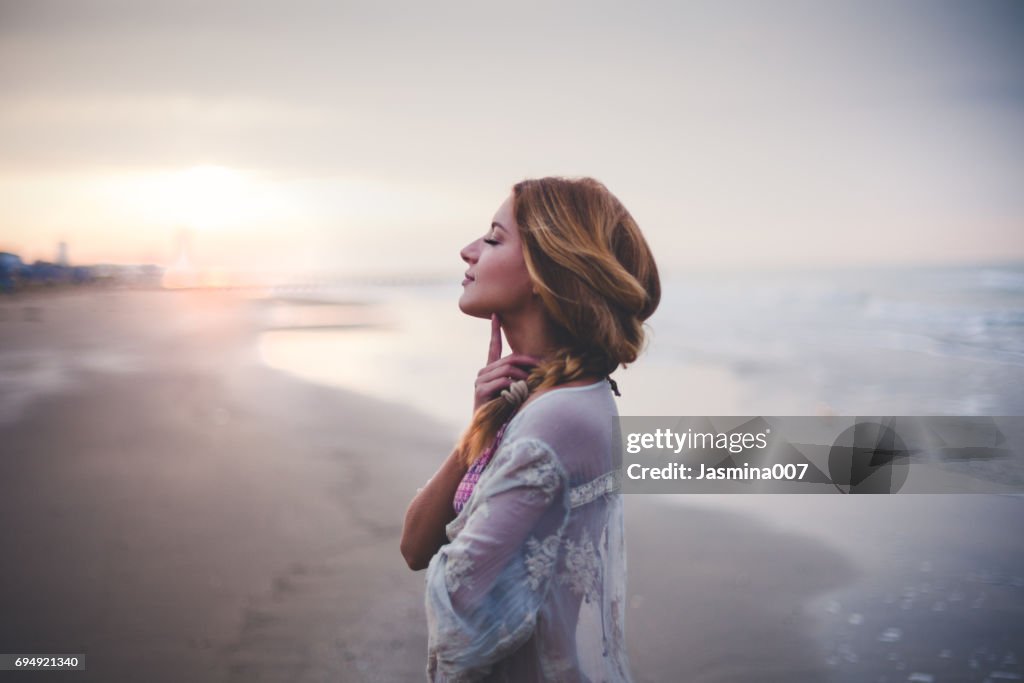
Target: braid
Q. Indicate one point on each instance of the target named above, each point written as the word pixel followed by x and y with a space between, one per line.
pixel 563 367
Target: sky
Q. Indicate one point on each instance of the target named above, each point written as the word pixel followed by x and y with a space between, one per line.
pixel 343 137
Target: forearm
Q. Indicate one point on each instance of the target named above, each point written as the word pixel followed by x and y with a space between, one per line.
pixel 429 513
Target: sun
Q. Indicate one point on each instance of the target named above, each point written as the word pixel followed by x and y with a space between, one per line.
pixel 200 198
pixel 207 197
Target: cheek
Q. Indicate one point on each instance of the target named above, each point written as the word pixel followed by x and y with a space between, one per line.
pixel 512 262
pixel 515 275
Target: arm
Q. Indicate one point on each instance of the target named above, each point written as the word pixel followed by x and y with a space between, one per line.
pixel 431 510
pixel 428 514
pixel 485 588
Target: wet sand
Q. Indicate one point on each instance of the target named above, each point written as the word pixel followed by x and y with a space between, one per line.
pixel 175 510
pixel 188 514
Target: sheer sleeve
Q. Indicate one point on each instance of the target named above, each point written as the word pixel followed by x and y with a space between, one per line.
pixel 485 587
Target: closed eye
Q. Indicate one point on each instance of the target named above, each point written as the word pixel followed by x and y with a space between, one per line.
pixel 487 241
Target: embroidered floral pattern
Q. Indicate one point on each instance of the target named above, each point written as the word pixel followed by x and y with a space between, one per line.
pixel 582 568
pixel 543 478
pixel 593 489
pixel 540 559
pixel 456 571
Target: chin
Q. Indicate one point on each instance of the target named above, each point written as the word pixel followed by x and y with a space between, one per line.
pixel 469 309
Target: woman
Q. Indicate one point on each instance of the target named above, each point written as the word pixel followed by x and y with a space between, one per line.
pixel 520 530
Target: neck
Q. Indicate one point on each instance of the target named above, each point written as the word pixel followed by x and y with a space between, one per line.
pixel 531 335
pixel 528 333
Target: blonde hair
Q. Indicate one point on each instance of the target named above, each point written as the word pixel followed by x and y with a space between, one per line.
pixel 596 278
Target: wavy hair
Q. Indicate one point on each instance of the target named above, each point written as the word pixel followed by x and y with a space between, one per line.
pixel 596 278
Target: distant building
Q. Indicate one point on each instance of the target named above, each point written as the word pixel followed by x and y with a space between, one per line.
pixel 48 273
pixel 11 271
pixel 17 275
pixel 10 261
pixel 62 254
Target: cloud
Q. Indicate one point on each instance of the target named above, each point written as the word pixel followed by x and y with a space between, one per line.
pixel 746 120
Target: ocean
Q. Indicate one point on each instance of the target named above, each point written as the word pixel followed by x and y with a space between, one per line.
pixel 879 341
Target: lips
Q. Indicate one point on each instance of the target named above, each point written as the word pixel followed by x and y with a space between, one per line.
pixel 469 278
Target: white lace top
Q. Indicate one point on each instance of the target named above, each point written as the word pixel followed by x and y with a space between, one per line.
pixel 531 586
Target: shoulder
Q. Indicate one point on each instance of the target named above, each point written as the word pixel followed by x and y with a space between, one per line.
pixel 583 383
pixel 526 462
pixel 573 422
pixel 561 410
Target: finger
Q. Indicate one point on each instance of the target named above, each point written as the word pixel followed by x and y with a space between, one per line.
pixel 521 359
pixel 512 360
pixel 491 388
pixel 494 352
pixel 502 371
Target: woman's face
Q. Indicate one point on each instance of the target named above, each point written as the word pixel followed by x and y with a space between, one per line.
pixel 497 280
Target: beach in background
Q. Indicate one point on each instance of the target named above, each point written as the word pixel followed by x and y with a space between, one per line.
pixel 879 341
pixel 209 485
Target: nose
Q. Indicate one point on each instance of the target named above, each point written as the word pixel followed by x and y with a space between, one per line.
pixel 469 252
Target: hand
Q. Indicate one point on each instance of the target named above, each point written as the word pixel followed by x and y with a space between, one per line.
pixel 499 372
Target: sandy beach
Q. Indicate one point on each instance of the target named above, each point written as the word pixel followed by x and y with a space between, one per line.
pixel 175 510
pixel 182 513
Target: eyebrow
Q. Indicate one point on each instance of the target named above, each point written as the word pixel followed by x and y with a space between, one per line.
pixel 496 224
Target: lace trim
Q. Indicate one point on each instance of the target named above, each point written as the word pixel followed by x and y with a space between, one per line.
pixel 540 559
pixel 542 479
pixel 457 571
pixel 583 569
pixel 593 489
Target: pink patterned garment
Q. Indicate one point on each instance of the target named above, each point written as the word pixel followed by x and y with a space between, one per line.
pixel 473 474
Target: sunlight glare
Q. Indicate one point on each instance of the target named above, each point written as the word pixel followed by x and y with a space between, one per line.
pixel 209 196
pixel 200 197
